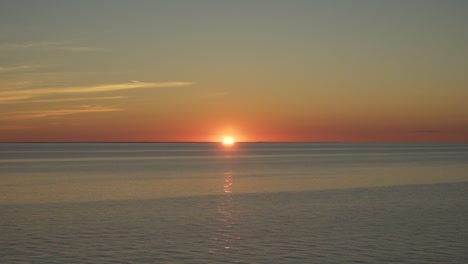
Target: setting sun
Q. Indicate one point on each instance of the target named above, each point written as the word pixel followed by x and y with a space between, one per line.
pixel 228 141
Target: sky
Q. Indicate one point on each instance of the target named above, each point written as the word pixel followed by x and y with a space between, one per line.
pixel 289 71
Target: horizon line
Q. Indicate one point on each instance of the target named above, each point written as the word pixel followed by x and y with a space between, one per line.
pixel 195 142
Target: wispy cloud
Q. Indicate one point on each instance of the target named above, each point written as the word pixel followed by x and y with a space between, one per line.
pixel 15 85
pixel 12 99
pixel 19 68
pixel 53 113
pixel 17 100
pixel 23 94
pixel 48 45
pixel 77 99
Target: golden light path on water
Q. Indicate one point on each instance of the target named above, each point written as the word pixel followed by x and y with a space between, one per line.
pixel 226 236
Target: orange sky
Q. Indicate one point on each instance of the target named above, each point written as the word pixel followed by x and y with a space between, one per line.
pixel 318 71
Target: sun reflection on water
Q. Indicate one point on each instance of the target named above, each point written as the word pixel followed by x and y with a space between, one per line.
pixel 228 182
pixel 226 235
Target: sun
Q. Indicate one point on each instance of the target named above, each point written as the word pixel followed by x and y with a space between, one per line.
pixel 228 141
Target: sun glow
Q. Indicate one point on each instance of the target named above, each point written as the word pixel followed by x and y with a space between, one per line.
pixel 228 141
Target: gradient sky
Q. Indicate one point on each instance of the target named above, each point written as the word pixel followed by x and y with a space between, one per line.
pixel 348 71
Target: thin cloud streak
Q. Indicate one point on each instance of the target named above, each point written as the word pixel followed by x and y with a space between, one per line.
pixel 12 99
pixel 56 113
pixel 47 45
pixel 18 100
pixel 78 99
pixel 19 68
pixel 6 95
pixel 14 85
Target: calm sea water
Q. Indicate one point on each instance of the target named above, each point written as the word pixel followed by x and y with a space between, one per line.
pixel 250 203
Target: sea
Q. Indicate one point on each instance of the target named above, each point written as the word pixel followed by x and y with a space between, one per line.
pixel 245 203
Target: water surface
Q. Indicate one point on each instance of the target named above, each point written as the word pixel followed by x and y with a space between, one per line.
pixel 250 203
